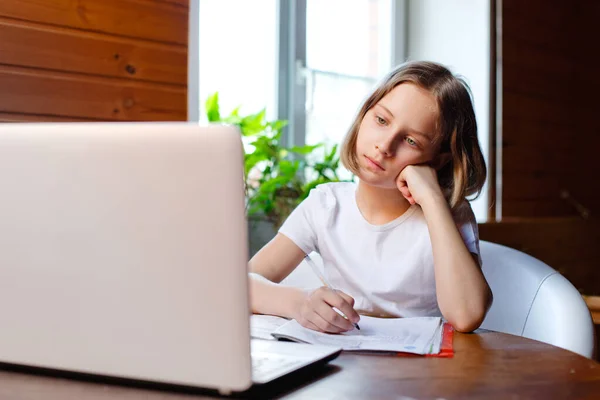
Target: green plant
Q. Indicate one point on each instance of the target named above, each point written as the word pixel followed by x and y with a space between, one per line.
pixel 277 177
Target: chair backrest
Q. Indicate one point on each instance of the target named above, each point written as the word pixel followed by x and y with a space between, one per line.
pixel 533 300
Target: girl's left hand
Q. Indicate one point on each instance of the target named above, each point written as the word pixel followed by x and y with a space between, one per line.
pixel 417 183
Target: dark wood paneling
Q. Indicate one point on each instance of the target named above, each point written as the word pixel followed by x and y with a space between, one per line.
pixel 549 90
pixel 543 207
pixel 550 137
pixel 531 107
pixel 164 21
pixel 54 93
pixel 569 245
pixel 548 186
pixel 42 46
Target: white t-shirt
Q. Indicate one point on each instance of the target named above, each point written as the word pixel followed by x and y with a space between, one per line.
pixel 387 269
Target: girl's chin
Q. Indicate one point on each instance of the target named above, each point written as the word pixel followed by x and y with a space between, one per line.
pixel 377 181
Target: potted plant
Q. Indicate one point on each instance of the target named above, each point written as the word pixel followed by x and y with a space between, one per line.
pixel 277 177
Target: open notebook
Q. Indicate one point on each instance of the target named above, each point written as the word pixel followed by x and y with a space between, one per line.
pixel 420 335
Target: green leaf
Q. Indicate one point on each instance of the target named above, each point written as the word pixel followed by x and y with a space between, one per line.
pixel 266 146
pixel 272 184
pixel 277 125
pixel 212 108
pixel 288 168
pixel 234 117
pixel 307 149
pixel 253 124
pixel 250 160
pixel 331 155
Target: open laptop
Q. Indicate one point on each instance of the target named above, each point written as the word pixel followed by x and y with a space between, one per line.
pixel 123 253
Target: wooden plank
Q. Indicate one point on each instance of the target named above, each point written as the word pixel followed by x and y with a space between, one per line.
pixel 546 135
pixel 43 46
pixel 552 86
pixel 17 117
pixel 521 159
pixel 534 27
pixel 549 139
pixel 535 208
pixel 522 52
pixel 152 20
pixel 593 302
pixel 550 185
pixel 37 92
pixel 181 3
pixel 538 107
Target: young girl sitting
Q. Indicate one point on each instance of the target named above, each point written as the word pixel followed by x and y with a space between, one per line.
pixel 403 241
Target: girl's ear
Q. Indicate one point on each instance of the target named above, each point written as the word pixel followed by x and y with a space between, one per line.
pixel 441 160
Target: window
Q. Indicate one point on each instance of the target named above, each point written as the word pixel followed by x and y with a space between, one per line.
pixel 331 64
pixel 312 62
pixel 345 57
pixel 238 54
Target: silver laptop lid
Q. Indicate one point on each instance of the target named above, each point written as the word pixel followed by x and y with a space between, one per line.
pixel 123 251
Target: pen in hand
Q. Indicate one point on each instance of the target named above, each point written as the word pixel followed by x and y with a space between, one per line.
pixel 317 272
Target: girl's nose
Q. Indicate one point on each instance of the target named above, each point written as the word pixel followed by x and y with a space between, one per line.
pixel 383 149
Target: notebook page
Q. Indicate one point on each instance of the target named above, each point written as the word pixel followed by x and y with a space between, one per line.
pixel 435 345
pixel 413 335
pixel 261 326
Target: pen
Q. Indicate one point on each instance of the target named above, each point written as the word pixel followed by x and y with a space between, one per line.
pixel 316 270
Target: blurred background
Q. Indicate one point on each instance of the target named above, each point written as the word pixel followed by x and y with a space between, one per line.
pixel 532 67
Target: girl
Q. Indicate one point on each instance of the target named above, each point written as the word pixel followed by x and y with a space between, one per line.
pixel 403 241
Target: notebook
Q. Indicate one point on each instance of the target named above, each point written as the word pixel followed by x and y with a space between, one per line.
pixel 418 335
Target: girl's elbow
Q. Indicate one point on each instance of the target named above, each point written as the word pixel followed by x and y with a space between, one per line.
pixel 466 324
pixel 469 320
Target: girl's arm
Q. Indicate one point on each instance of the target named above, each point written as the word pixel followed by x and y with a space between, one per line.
pixel 463 294
pixel 268 267
pixel 312 309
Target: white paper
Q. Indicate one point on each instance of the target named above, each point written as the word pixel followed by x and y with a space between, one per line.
pixel 420 335
pixel 261 326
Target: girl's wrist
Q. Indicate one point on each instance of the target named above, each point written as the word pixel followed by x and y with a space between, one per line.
pixel 434 201
pixel 294 298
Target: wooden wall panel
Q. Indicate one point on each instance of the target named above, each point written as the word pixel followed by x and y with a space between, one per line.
pixel 54 93
pixel 549 89
pixel 35 45
pixel 146 19
pixel 93 60
pixel 22 117
pixel 550 136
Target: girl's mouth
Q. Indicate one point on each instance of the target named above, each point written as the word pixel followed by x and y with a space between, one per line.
pixel 374 164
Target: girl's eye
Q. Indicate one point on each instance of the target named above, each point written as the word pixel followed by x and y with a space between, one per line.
pixel 411 142
pixel 380 120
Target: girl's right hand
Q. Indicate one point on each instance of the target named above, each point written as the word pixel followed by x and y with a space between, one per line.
pixel 316 311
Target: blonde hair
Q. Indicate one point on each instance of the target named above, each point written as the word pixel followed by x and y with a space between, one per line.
pixel 465 174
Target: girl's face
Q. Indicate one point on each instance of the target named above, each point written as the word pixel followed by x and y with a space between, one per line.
pixel 400 130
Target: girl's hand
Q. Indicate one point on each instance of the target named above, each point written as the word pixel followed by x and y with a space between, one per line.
pixel 418 183
pixel 317 313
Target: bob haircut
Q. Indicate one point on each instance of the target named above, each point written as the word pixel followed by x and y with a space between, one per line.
pixel 465 173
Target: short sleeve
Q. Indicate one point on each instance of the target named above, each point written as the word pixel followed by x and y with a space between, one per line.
pixel 467 226
pixel 299 226
pixel 318 211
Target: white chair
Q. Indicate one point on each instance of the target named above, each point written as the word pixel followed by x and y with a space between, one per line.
pixel 535 301
pixel 530 299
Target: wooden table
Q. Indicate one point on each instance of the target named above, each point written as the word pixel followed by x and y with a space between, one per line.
pixel 486 365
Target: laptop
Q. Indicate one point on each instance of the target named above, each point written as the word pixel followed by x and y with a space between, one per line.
pixel 123 253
